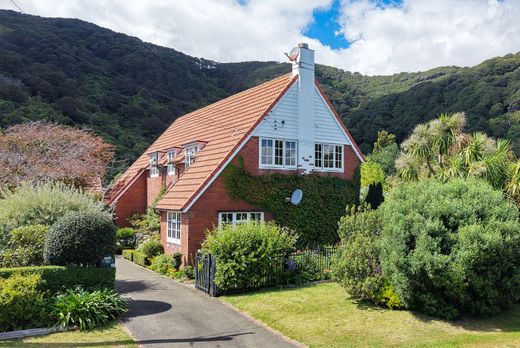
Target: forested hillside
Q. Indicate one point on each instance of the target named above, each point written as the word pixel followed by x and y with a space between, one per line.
pixel 128 91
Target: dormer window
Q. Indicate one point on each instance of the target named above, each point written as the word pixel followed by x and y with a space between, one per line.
pixel 154 169
pixel 189 153
pixel 170 168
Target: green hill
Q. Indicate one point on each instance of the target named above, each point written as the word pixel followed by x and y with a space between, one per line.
pixel 77 73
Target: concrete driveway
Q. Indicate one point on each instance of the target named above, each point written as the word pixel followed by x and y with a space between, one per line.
pixel 163 313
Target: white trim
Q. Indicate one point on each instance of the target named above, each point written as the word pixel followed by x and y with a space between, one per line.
pixel 339 124
pixel 234 214
pixel 283 166
pixel 215 176
pixel 177 220
pixel 328 169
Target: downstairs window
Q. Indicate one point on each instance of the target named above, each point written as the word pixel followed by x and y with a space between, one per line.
pixel 235 218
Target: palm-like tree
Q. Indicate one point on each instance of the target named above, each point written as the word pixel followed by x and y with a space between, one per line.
pixel 512 186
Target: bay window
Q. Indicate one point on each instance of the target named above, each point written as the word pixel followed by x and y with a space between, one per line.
pixel 173 227
pixel 234 218
pixel 278 153
pixel 328 156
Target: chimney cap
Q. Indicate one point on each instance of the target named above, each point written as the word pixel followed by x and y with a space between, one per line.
pixel 303 45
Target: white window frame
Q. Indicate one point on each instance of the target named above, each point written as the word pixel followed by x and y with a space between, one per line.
pixel 154 168
pixel 170 168
pixel 189 153
pixel 335 167
pixel 273 156
pixel 173 227
pixel 237 217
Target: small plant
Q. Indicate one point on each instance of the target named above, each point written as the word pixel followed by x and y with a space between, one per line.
pixel 189 272
pixel 80 238
pixel 87 310
pixel 177 259
pixel 162 263
pixel 22 305
pixel 151 247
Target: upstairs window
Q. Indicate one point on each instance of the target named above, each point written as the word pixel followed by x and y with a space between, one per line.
pixel 234 218
pixel 173 228
pixel 190 152
pixel 154 169
pixel 328 157
pixel 170 168
pixel 277 153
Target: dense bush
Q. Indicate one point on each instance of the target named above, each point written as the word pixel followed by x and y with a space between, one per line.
pixel 356 263
pixel 140 258
pixel 80 238
pixel 128 254
pixel 44 204
pixel 57 278
pixel 177 258
pixel 244 252
pixel 162 263
pixel 87 310
pixel 188 271
pixel 125 239
pixel 22 305
pixel 24 247
pixel 450 248
pixel 151 247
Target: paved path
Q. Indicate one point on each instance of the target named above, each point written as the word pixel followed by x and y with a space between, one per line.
pixel 163 313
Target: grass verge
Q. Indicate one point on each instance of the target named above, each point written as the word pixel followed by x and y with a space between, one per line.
pixel 322 315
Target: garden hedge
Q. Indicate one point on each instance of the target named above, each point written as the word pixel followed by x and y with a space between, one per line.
pixel 59 277
pixel 136 257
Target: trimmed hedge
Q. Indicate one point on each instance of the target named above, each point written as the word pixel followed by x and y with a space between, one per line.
pixel 59 277
pixel 136 257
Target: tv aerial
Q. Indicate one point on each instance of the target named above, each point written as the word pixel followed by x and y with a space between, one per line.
pixel 293 54
pixel 296 197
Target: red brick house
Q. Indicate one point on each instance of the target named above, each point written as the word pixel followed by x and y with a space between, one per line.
pixel 285 125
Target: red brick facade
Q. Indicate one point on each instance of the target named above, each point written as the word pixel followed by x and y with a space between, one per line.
pixel 134 198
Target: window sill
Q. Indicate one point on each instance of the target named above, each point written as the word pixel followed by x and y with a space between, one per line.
pixel 328 170
pixel 277 167
pixel 173 241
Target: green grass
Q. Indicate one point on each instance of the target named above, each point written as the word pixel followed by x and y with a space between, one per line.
pixel 323 316
pixel 111 335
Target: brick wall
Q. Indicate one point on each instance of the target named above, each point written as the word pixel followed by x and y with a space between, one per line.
pixel 133 200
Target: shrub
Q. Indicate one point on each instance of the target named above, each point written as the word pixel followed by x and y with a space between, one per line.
pixel 151 247
pixel 44 204
pixel 80 238
pixel 57 278
pixel 25 247
pixel 22 305
pixel 162 263
pixel 450 248
pixel 177 258
pixel 87 310
pixel 125 239
pixel 356 263
pixel 188 271
pixel 140 258
pixel 128 254
pixel 244 252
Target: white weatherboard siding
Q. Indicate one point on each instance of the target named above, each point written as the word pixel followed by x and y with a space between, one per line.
pixel 282 121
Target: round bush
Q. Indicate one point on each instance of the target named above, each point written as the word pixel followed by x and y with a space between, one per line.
pixel 151 247
pixel 80 238
pixel 451 248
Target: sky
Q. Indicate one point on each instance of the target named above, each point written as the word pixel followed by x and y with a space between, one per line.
pixel 373 37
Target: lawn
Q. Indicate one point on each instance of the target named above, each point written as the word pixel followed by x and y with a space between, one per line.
pixel 112 335
pixel 322 315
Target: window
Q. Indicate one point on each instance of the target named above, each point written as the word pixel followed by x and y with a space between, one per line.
pixel 173 229
pixel 278 153
pixel 190 152
pixel 170 169
pixel 154 170
pixel 235 218
pixel 328 156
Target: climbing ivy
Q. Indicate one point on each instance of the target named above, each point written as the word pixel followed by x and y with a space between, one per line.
pixel 315 219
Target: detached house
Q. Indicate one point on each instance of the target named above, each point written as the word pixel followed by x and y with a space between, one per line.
pixel 285 125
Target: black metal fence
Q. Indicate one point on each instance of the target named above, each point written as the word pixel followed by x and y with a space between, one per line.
pixel 294 268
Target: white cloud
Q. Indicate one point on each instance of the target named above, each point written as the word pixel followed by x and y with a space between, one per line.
pixel 417 35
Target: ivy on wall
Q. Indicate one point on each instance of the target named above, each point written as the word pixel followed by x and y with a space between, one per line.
pixel 315 219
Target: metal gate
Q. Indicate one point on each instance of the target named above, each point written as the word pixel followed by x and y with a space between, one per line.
pixel 205 267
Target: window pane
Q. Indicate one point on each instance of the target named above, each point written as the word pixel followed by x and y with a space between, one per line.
pixel 241 217
pixel 339 157
pixel 278 153
pixel 267 151
pixel 290 153
pixel 256 217
pixel 328 156
pixel 317 156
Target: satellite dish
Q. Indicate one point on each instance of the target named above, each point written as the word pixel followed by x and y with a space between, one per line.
pixel 296 197
pixel 293 54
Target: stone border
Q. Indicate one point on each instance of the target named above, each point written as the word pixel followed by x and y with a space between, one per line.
pixel 13 335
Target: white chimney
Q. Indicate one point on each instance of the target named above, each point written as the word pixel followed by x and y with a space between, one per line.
pixel 303 66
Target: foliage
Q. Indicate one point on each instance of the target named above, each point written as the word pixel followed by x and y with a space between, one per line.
pixel 356 264
pixel 125 238
pixel 43 204
pixel 87 310
pixel 384 139
pixel 451 248
pixel 371 173
pixel 315 218
pixel 512 186
pixel 244 252
pixel 384 154
pixel 177 258
pixel 151 247
pixel 162 263
pixel 128 254
pixel 188 271
pixel 140 258
pixel 24 247
pixel 57 278
pixel 81 239
pixel 44 151
pixel 374 196
pixel 148 223
pixel 22 305
pixel 388 298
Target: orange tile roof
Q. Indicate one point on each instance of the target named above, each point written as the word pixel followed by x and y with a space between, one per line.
pixel 223 125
